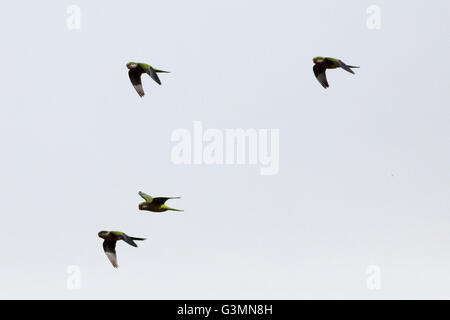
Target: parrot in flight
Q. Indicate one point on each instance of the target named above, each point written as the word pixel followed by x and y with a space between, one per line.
pixel 109 243
pixel 138 68
pixel 155 204
pixel 321 64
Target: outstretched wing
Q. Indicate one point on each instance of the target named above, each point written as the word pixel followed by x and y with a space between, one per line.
pixel 128 240
pixel 110 250
pixel 152 73
pixel 162 200
pixel 319 72
pixel 135 77
pixel 146 197
pixel 344 66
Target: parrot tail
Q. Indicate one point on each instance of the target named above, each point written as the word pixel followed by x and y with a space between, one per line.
pixel 169 208
pixel 160 71
pixel 138 239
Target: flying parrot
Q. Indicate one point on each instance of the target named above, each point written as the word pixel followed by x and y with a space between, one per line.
pixel 109 245
pixel 321 64
pixel 138 68
pixel 155 204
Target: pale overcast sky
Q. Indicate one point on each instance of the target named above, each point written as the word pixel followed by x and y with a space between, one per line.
pixel 363 174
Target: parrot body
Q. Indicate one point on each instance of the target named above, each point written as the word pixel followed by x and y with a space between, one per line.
pixel 109 243
pixel 155 204
pixel 321 64
pixel 135 69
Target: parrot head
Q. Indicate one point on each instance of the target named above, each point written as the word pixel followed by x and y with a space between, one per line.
pixel 131 65
pixel 103 234
pixel 317 59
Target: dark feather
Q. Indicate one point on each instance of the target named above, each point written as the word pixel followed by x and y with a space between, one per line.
pixel 319 72
pixel 135 77
pixel 152 73
pixel 128 240
pixel 110 249
pixel 346 67
pixel 162 200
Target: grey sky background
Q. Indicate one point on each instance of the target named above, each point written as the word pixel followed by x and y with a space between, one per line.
pixel 364 173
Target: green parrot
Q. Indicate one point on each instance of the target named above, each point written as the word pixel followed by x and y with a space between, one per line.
pixel 155 204
pixel 321 64
pixel 138 68
pixel 109 245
